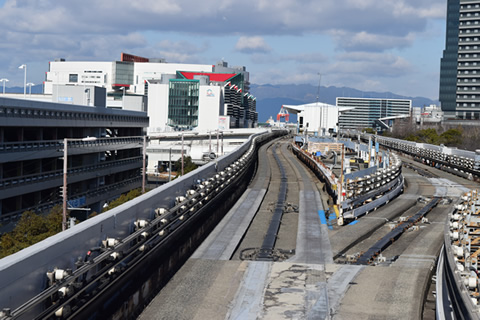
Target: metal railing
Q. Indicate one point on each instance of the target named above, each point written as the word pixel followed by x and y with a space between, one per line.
pixel 20 146
pixel 52 175
pixel 5 218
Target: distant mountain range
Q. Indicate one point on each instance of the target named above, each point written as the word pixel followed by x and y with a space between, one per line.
pixel 270 98
pixel 36 89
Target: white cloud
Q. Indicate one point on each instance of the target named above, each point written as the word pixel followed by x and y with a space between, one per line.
pixel 365 41
pixel 100 30
pixel 220 16
pixel 252 45
pixel 371 65
pixel 301 58
pixel 180 51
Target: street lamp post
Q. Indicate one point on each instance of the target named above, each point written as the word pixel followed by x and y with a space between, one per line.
pixel 209 142
pixel 144 156
pixel 30 88
pixel 182 134
pixel 123 97
pixel 24 67
pixel 222 143
pixel 182 154
pixel 64 191
pixel 222 140
pixel 170 165
pixel 4 80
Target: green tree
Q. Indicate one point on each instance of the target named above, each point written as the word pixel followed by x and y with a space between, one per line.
pixel 452 137
pixel 132 194
pixel 30 229
pixel 429 136
pixel 412 137
pixel 188 164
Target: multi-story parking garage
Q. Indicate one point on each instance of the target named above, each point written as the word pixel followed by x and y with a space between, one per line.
pixel 32 136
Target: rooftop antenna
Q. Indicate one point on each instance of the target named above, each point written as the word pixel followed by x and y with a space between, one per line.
pixel 319 81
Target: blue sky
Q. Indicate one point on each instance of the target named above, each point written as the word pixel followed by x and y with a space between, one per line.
pixel 389 45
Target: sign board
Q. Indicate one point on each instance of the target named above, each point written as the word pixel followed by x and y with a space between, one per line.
pixel 77 203
pixel 224 122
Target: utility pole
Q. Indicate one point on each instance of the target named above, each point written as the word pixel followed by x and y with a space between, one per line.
pixel 144 173
pixel 170 165
pixel 318 90
pixel 64 194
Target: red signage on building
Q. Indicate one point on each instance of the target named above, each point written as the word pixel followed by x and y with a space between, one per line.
pixel 131 58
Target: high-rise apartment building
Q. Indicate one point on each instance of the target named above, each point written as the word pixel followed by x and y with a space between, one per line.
pixel 460 64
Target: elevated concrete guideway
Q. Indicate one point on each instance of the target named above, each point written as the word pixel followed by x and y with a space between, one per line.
pixel 216 284
pixel 23 274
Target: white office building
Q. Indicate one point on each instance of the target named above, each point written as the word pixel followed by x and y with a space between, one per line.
pixel 372 112
pixel 317 118
pixel 129 74
pixel 175 96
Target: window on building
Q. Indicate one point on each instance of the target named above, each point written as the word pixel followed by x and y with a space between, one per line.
pixel 73 78
pixel 183 104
